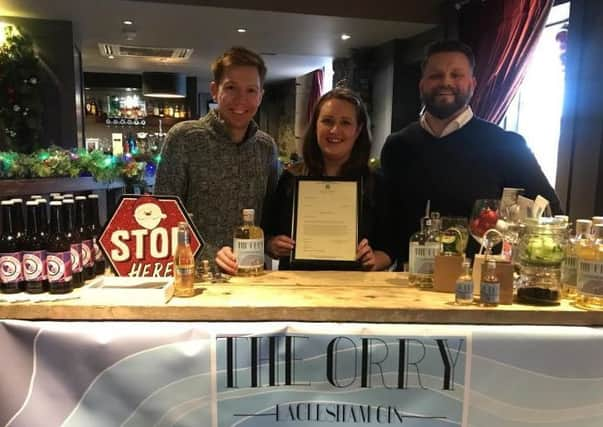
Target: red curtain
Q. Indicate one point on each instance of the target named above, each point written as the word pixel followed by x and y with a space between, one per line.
pixel 315 92
pixel 503 34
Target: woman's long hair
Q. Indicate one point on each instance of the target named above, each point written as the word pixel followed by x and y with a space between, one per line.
pixel 357 165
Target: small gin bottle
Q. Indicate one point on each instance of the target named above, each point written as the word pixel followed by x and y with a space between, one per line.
pixel 490 287
pixel 248 246
pixel 464 286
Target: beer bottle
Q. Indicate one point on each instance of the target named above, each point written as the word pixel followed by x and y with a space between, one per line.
pixel 34 252
pixel 19 225
pixel 42 209
pixel 81 220
pixel 75 240
pixel 94 227
pixel 58 255
pixel 10 252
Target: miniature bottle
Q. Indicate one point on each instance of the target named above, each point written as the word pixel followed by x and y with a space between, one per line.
pixel 490 287
pixel 464 286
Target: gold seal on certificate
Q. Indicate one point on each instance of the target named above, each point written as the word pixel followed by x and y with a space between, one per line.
pixel 326 214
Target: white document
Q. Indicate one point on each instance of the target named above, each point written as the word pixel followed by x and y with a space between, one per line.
pixel 326 225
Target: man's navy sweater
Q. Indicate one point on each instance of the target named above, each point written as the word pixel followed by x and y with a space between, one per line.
pixel 474 162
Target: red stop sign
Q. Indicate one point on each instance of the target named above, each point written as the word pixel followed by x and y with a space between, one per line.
pixel 141 236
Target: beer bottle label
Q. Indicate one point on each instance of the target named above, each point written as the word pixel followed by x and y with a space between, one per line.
pixel 87 253
pixel 10 267
pixel 76 258
pixel 34 266
pixel 58 265
pixel 98 254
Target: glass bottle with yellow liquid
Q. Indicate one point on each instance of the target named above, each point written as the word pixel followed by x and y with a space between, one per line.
pixel 248 246
pixel 490 287
pixel 184 264
pixel 569 265
pixel 424 245
pixel 590 272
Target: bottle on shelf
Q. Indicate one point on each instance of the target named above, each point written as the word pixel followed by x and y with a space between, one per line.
pixel 490 286
pixel 34 252
pixel 248 246
pixel 464 286
pixel 58 255
pixel 569 272
pixel 184 264
pixel 11 255
pixel 590 272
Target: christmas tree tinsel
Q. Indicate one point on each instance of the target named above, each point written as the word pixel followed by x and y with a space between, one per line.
pixel 57 163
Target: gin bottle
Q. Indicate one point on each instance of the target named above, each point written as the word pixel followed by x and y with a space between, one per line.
pixel 590 272
pixel 490 287
pixel 184 264
pixel 569 273
pixel 424 245
pixel 248 246
pixel 464 286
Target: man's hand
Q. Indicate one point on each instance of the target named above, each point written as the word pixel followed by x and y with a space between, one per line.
pixel 226 260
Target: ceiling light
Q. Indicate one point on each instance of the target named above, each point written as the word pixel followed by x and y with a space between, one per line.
pixel 127 22
pixel 111 57
pixel 345 36
pixel 164 85
pixel 241 30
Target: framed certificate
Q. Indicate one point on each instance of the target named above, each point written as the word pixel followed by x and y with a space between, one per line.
pixel 326 214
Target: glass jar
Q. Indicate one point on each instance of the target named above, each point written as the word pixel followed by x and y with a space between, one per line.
pixel 541 251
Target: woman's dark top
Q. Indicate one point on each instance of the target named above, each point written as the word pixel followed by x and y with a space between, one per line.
pixel 374 222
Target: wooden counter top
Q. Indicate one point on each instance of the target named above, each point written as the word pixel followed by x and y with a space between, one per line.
pixel 382 297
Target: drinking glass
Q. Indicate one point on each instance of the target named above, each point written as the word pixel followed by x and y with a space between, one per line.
pixel 455 235
pixel 483 218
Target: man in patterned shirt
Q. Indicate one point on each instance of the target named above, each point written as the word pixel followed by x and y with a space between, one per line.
pixel 222 163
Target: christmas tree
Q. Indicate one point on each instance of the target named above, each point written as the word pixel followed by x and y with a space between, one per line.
pixel 20 97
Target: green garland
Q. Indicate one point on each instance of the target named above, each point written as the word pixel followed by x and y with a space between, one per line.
pixel 20 93
pixel 56 163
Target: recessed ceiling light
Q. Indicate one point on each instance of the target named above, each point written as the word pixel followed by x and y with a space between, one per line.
pixel 241 30
pixel 345 36
pixel 127 22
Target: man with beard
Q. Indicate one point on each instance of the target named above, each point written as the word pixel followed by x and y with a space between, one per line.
pixel 450 156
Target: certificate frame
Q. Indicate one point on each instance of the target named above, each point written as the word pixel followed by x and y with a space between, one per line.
pixel 299 261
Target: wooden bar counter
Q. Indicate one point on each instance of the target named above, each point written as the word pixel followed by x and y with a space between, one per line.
pixel 380 297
